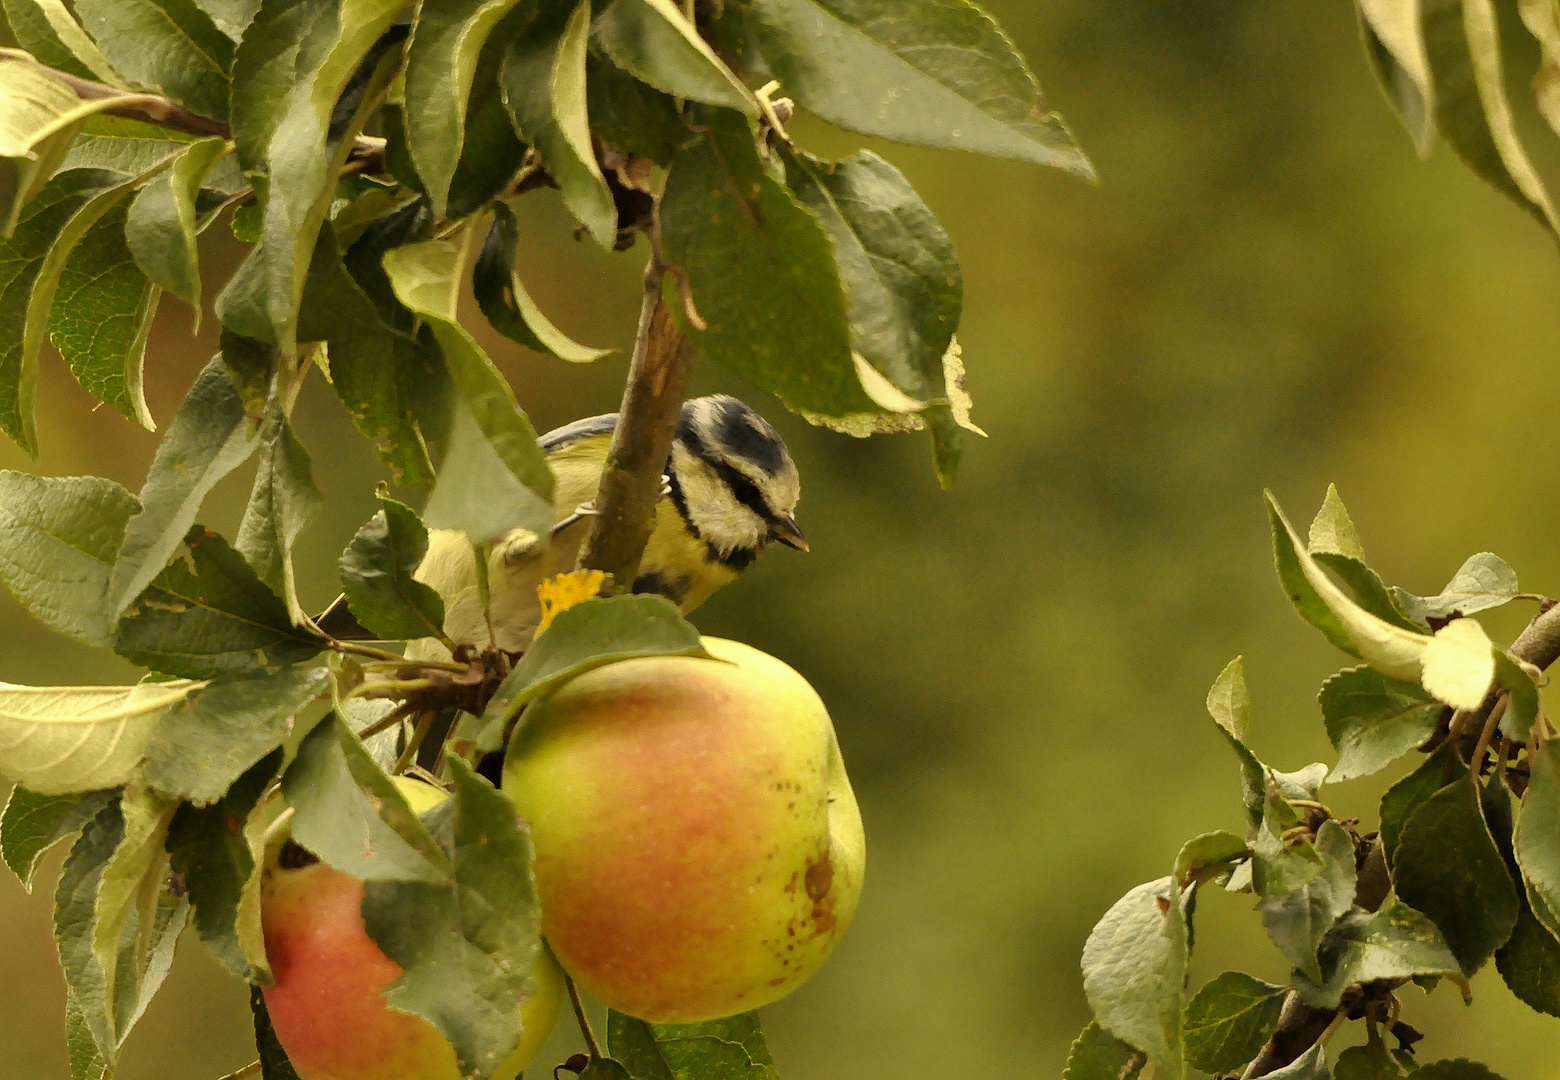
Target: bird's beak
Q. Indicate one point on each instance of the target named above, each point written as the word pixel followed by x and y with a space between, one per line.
pixel 785 530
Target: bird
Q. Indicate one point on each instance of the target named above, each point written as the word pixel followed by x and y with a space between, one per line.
pixel 730 489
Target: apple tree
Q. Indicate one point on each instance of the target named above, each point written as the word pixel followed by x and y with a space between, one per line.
pixel 369 154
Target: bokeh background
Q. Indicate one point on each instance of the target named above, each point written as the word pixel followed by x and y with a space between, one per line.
pixel 1268 289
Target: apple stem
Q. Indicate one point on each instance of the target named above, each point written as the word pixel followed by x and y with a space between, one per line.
pixel 591 1044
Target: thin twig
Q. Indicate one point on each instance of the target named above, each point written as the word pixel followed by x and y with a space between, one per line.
pixel 1476 762
pixel 584 1021
pixel 252 1069
pixel 419 732
pixel 388 721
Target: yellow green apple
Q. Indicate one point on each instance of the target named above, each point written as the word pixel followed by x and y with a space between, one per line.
pixel 325 1003
pixel 699 850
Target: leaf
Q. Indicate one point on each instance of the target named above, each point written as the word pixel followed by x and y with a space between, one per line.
pixel 1373 720
pixel 427 279
pixel 169 46
pixel 127 892
pixel 1311 1065
pixel 347 811
pixel 273 1059
pixel 1368 1062
pixel 74 903
pixel 1543 22
pixel 1229 703
pixel 1530 964
pixel 441 66
pixel 1459 664
pixel 627 114
pixel 35 134
pixel 218 733
pixel 85 1061
pixel 1390 649
pixel 592 634
pixel 655 42
pixel 1447 866
pixel 34 823
pixel 1522 700
pixel 1404 797
pixel 1394 39
pixel 1098 1055
pixel 208 439
pixel 212 618
pixel 902 280
pixel 57 740
pixel 218 849
pixel 58 540
pixel 731 1048
pixel 543 80
pixel 506 304
pixel 1228 1021
pixel 283 502
pixel 1454 1069
pixel 1482 583
pixel 1134 966
pixel 1279 867
pixel 162 226
pixel 947 77
pixel 1297 921
pixel 467 947
pixel 382 374
pixel 48 30
pixel 290 71
pixel 376 575
pixel 1537 826
pixel 763 274
pixel 1463 46
pixel 1394 942
pixel 101 317
pixel 1209 857
pixel 231 17
pixel 1335 544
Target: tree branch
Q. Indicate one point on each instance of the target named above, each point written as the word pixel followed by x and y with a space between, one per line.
pixel 642 441
pixel 1539 644
pixel 367 152
pixel 1299 1026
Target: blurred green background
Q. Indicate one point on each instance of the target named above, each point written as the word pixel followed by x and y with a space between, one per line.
pixel 1268 289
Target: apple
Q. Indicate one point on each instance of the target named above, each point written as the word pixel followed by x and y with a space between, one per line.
pixel 699 851
pixel 325 1003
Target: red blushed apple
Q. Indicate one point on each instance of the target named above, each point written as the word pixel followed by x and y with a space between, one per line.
pixel 325 1003
pixel 699 851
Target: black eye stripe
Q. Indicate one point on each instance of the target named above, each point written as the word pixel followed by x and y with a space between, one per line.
pixel 745 490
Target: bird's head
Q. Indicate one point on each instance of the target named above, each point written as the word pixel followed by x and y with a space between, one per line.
pixel 734 480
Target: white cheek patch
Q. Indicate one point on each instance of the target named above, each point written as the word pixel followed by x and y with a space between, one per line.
pixel 720 519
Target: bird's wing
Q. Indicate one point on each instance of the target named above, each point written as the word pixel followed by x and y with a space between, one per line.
pixel 558 438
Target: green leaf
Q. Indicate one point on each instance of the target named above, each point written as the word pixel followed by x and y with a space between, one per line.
pixel 218 733
pixel 491 152
pixel 162 226
pixel 283 502
pixel 209 438
pixel 763 274
pixel 1522 701
pixel 1297 921
pixel 1394 942
pixel 731 1048
pixel 347 811
pixel 1229 703
pixel 630 116
pixel 376 575
pixel 74 902
pixel 506 304
pixel 1394 41
pixel 1278 868
pixel 1368 1062
pixel 544 86
pixel 218 849
pixel 1483 582
pixel 101 317
pixel 441 66
pixel 231 17
pixel 1134 967
pixel 655 42
pixel 290 71
pixel 1447 865
pixel 212 618
pixel 58 540
pixel 1454 1069
pixel 427 279
pixel 383 375
pixel 169 46
pixel 477 493
pixel 85 1061
pixel 467 947
pixel 1373 720
pixel 1098 1055
pixel 1463 46
pixel 62 739
pixel 1335 544
pixel 1228 1021
pixel 35 134
pixel 1530 964
pixel 948 76
pixel 1537 826
pixel 1404 797
pixel 1209 857
pixel 34 823
pixel 48 30
pixel 592 634
pixel 273 1059
pixel 1459 664
pixel 1543 22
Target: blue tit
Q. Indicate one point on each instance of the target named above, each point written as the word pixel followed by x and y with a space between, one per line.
pixel 731 488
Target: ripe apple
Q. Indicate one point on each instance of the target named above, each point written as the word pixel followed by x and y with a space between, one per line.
pixel 325 1003
pixel 698 847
